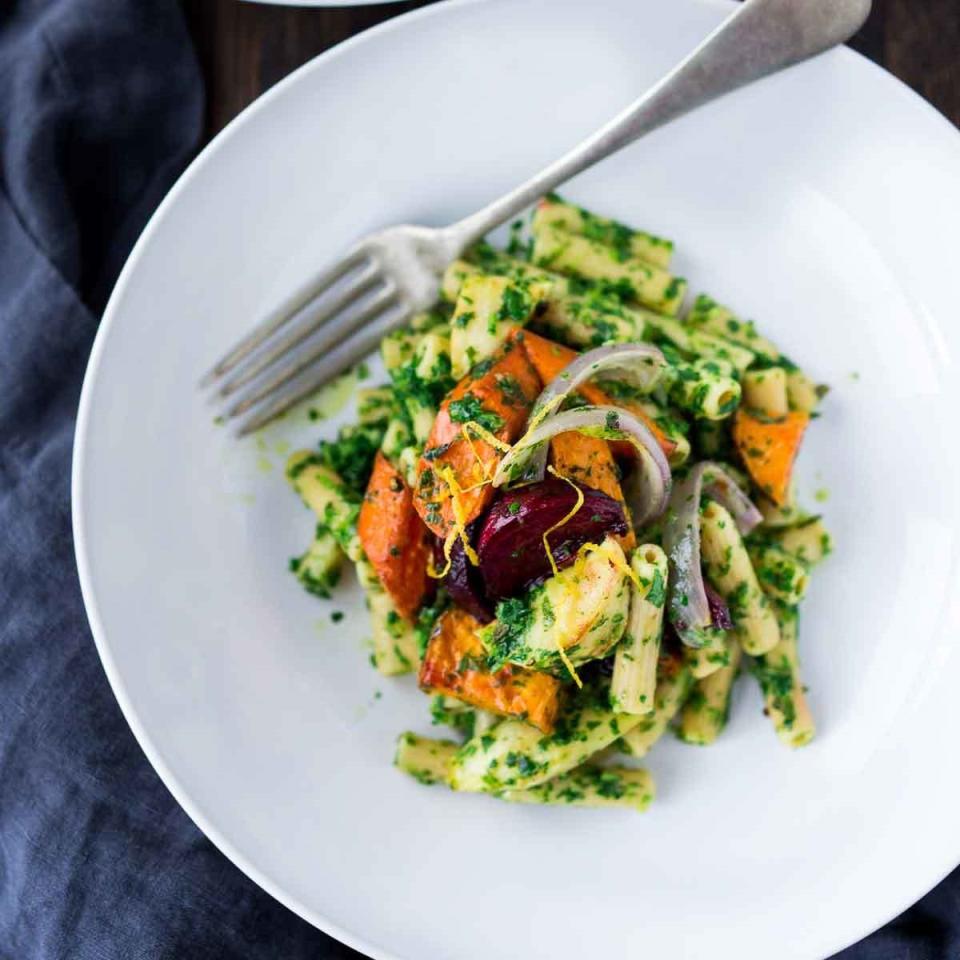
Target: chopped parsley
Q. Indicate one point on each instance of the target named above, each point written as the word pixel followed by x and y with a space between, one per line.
pixel 469 409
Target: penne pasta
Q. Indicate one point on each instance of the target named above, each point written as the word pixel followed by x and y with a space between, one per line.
pixel 592 786
pixel 766 390
pixel 319 568
pixel 328 497
pixel 784 695
pixel 424 758
pixel 634 680
pixel 705 389
pixel 804 395
pixel 577 255
pixel 674 682
pixel 705 713
pixel 488 310
pixel 781 575
pixel 513 755
pixel 714 655
pixel 728 567
pixel 706 314
pixel 809 541
pixel 554 212
pixel 395 649
pixel 779 516
pixel 671 426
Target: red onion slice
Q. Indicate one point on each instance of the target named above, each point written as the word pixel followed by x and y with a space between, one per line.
pixel 649 490
pixel 689 606
pixel 640 363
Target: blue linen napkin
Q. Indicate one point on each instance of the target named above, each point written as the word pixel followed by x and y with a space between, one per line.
pixel 101 106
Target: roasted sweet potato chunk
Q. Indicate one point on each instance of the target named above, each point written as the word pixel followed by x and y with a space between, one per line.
pixel 769 445
pixel 454 665
pixel 496 395
pixel 589 461
pixel 394 538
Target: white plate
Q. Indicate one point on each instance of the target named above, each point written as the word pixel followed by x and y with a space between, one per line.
pixel 824 202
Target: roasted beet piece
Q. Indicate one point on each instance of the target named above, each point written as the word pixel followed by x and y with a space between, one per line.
pixel 510 538
pixel 463 581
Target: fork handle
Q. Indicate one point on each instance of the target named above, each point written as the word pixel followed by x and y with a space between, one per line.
pixel 760 38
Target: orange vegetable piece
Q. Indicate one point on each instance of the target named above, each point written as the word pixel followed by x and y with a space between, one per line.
pixel 589 461
pixel 394 538
pixel 768 446
pixel 549 358
pixel 499 397
pixel 453 666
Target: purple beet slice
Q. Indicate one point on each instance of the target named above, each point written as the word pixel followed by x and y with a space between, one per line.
pixel 510 540
pixel 719 611
pixel 464 582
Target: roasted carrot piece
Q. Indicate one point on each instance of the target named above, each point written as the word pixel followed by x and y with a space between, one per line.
pixel 496 395
pixel 549 358
pixel 454 666
pixel 394 538
pixel 768 446
pixel 588 460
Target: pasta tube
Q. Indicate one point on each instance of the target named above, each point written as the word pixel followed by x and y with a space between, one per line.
pixel 482 259
pixel 712 656
pixel 634 681
pixel 514 755
pixel 705 389
pixel 554 212
pixel 706 314
pixel 766 390
pixel 700 344
pixel 572 253
pixel 395 648
pixel 674 681
pixel 592 786
pixel 424 758
pixel 707 709
pixel 398 348
pixel 374 405
pixel 728 567
pixel 319 568
pixel 578 322
pixel 779 675
pixel 328 497
pixel 804 395
pixel 488 309
pixel 782 576
pixel 809 541
pixel 779 516
pixel 454 277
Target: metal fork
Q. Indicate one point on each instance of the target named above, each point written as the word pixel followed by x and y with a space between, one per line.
pixel 340 314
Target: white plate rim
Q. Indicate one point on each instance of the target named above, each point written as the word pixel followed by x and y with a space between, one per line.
pixel 152 752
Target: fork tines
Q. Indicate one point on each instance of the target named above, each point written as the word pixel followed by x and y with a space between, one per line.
pixel 318 332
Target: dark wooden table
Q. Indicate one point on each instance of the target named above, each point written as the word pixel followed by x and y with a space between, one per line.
pixel 245 48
